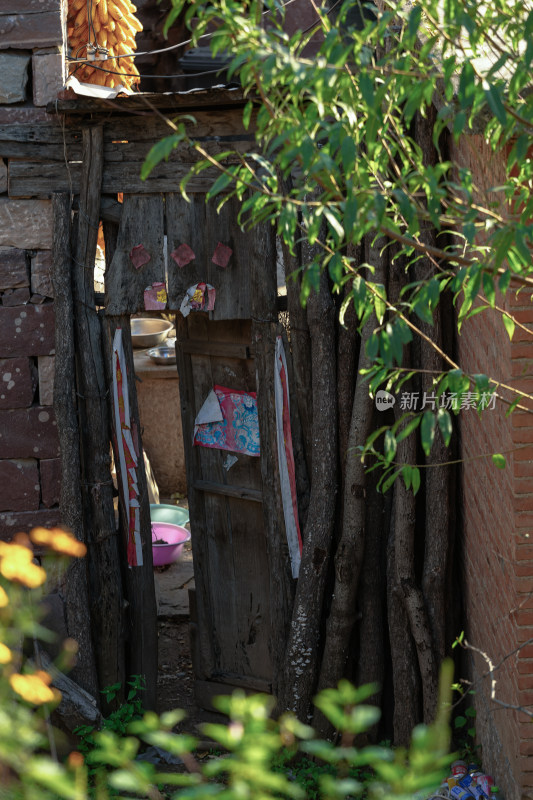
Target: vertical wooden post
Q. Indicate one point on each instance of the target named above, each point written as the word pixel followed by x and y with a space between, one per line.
pixel 74 585
pixel 265 329
pixel 97 489
pixel 141 643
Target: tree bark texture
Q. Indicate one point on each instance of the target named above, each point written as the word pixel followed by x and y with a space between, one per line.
pixel 438 506
pixel 74 587
pixel 301 660
pixel 351 546
pixel 97 488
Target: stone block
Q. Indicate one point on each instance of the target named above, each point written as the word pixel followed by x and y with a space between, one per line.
pixel 27 330
pixel 13 522
pixel 41 273
pixel 29 6
pixel 46 366
pixel 16 297
pixel 13 269
pixel 3 176
pixel 23 31
pixel 26 223
pixel 29 433
pixel 17 383
pixel 50 481
pixel 13 76
pixel 19 485
pixel 47 77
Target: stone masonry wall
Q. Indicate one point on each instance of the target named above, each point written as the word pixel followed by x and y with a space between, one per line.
pixel 31 75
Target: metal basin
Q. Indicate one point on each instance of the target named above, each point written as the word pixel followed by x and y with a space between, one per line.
pixel 149 332
pixel 162 354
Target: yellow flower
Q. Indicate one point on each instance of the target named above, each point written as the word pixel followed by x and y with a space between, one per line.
pixel 16 564
pixel 35 688
pixel 58 540
pixel 5 654
pixel 4 599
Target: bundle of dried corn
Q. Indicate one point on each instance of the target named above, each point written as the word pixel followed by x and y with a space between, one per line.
pixel 97 26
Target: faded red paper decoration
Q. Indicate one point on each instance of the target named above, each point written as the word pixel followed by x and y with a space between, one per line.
pixel 222 255
pixel 183 255
pixel 155 297
pixel 139 256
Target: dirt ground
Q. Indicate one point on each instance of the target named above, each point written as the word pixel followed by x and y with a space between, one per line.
pixel 175 678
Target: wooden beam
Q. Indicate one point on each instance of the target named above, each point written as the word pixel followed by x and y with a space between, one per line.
pixel 217 349
pixel 215 98
pixel 241 492
pixel 74 584
pixel 97 487
pixel 41 179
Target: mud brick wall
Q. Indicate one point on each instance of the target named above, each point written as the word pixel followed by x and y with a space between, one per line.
pixel 31 75
pixel 496 555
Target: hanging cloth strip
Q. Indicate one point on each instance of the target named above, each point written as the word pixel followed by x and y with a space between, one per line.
pixel 128 457
pixel 287 474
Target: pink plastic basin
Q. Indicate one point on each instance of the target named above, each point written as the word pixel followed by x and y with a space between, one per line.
pixel 167 542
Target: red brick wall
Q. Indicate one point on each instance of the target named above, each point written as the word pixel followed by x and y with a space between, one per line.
pixel 31 74
pixel 498 520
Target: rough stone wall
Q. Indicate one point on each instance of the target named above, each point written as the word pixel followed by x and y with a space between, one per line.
pixel 31 75
pixel 497 550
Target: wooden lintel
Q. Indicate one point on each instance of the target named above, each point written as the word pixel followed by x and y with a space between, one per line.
pixel 169 100
pixel 240 492
pixel 217 349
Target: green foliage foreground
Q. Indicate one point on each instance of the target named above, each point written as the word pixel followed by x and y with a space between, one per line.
pixel 262 754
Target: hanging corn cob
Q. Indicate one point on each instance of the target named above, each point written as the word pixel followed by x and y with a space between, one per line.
pixel 113 26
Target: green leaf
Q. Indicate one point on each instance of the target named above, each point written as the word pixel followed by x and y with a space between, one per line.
pixel 459 722
pixel 445 425
pixel 496 105
pixel 415 479
pixel 499 460
pixel 513 405
pixel 389 446
pixel 509 325
pixel 488 288
pixel 411 426
pixel 427 431
pixel 247 114
pixel 348 154
pixel 161 150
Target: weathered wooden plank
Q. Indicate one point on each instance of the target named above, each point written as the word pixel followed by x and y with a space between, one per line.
pixel 74 588
pixel 202 228
pixel 186 224
pixel 137 151
pixel 222 123
pixel 218 349
pixel 141 223
pixel 203 649
pixel 141 642
pixel 234 529
pixel 240 492
pixel 265 329
pixel 45 133
pixel 97 487
pixel 167 101
pixel 110 210
pixel 37 150
pixel 41 179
